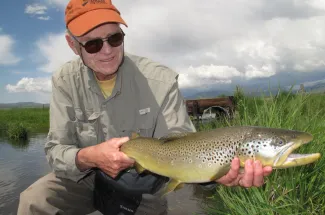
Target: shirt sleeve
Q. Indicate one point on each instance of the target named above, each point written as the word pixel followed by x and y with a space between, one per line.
pixel 61 145
pixel 173 117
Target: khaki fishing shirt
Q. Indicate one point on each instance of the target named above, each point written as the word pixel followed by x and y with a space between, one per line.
pixel 146 99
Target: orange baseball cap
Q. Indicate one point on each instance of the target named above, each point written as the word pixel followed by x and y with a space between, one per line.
pixel 81 16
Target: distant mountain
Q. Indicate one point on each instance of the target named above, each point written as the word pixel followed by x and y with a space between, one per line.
pixel 209 94
pixel 23 105
pixel 317 88
pixel 312 87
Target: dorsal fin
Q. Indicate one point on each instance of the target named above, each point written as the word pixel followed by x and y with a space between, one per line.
pixel 134 135
pixel 174 136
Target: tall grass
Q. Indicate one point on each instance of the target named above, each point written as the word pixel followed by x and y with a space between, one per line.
pixel 298 190
pixel 18 122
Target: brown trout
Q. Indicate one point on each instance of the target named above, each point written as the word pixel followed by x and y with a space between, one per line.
pixel 205 156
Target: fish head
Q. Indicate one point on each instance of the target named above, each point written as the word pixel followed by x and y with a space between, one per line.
pixel 274 147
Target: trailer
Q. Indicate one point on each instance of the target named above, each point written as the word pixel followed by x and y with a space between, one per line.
pixel 211 108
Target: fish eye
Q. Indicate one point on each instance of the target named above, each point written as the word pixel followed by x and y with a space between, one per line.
pixel 278 142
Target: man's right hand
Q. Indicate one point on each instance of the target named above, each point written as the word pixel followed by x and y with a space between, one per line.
pixel 105 156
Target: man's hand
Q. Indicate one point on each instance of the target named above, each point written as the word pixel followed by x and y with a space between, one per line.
pixel 105 156
pixel 253 174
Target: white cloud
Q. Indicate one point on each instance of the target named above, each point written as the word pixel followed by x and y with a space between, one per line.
pixel 45 18
pixel 217 41
pixel 59 3
pixel 54 51
pixel 35 9
pixel 203 75
pixel 248 36
pixel 38 85
pixel 318 4
pixel 7 56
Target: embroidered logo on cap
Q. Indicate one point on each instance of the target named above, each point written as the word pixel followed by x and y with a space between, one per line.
pixel 84 2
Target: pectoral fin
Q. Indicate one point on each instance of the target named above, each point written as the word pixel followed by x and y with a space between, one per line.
pixel 172 185
pixel 139 168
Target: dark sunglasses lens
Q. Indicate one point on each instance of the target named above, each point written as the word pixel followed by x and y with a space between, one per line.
pixel 116 39
pixel 94 46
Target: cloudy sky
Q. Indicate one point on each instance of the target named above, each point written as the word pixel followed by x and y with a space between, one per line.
pixel 214 45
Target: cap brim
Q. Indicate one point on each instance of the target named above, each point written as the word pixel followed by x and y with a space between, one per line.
pixel 86 22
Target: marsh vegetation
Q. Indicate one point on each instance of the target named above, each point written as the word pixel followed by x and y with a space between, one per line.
pixel 298 190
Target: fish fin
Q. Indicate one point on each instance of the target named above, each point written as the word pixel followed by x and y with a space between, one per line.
pixel 179 186
pixel 172 185
pixel 139 168
pixel 134 135
pixel 174 136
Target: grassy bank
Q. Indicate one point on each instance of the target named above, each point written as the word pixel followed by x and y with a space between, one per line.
pixel 17 122
pixel 298 190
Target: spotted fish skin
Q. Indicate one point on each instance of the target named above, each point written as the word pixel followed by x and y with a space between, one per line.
pixel 206 155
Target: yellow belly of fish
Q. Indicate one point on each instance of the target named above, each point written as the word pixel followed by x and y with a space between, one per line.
pixel 195 172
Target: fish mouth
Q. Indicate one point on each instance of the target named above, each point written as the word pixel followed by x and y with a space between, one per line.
pixel 287 159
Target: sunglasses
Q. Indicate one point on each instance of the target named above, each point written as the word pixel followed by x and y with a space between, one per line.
pixel 94 46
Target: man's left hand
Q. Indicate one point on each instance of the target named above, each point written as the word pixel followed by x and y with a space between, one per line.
pixel 253 175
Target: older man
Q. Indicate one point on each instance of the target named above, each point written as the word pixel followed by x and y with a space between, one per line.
pixel 98 101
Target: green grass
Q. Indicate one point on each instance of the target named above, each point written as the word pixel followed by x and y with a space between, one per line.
pixel 298 190
pixel 18 122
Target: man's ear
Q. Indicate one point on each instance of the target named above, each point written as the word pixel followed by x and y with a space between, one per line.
pixel 71 43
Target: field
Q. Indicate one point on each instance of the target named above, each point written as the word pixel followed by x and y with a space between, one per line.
pixel 299 190
pixel 18 122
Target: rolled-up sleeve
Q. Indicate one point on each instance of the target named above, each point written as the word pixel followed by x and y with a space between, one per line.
pixel 61 146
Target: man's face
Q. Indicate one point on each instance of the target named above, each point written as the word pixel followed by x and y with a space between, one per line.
pixel 105 62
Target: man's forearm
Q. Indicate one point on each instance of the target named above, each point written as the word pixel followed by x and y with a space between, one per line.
pixel 85 158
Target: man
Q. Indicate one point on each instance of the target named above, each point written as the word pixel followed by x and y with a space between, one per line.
pixel 98 101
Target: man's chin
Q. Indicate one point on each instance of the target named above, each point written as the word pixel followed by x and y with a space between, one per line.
pixel 105 75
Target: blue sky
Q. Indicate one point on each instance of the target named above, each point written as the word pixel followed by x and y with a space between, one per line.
pixel 213 46
pixel 24 30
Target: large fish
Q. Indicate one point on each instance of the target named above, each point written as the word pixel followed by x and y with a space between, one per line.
pixel 205 156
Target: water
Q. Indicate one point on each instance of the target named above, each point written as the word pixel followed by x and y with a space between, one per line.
pixel 21 164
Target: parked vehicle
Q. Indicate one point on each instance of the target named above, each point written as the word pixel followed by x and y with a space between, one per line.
pixel 213 108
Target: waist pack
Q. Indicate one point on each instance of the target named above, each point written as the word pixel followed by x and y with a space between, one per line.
pixel 112 201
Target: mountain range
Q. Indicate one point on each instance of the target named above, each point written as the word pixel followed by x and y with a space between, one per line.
pixel 316 87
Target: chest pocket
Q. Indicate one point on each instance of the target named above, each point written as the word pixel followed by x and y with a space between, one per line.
pixel 143 124
pixel 87 126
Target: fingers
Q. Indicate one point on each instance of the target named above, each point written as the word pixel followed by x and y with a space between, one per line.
pixel 112 161
pixel 258 174
pixel 248 177
pixel 118 142
pixel 267 170
pixel 254 174
pixel 233 172
pixel 232 176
